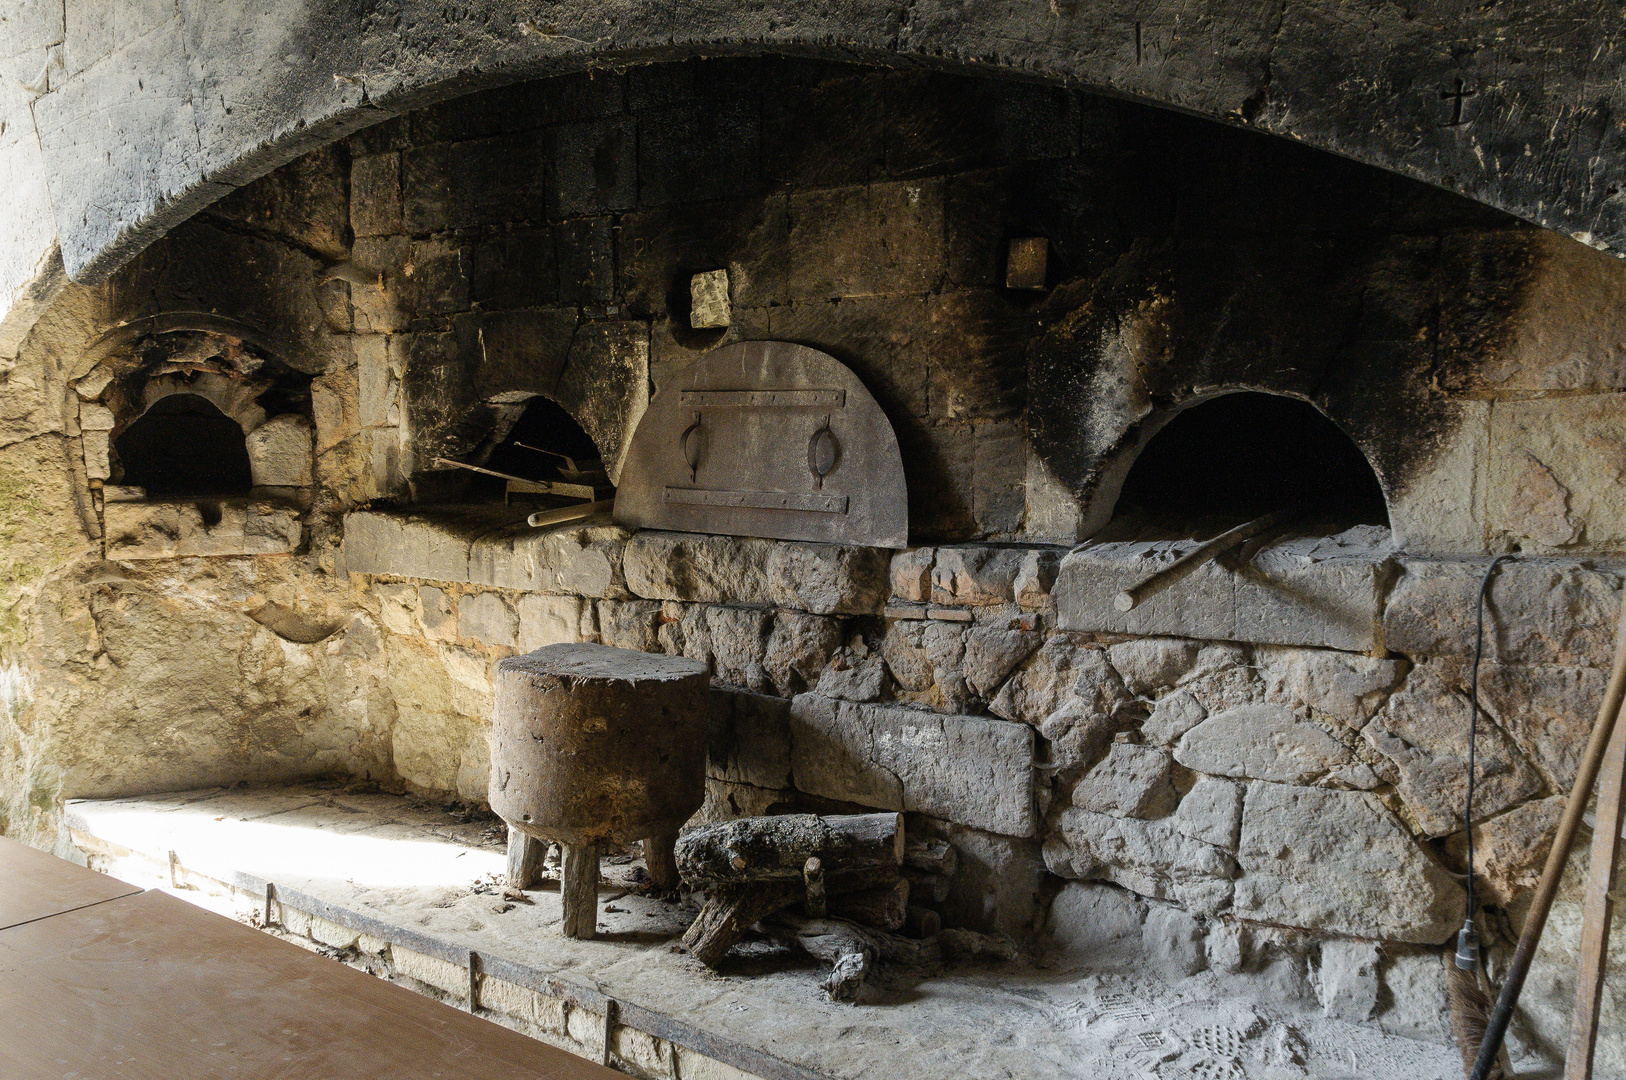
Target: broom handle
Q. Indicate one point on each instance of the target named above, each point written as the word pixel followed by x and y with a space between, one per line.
pixel 1536 920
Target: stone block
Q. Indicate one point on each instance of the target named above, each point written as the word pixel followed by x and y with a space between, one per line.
pixel 964 769
pixel 1548 711
pixel 1061 670
pixel 855 673
pixel 1152 665
pixel 629 624
pixel 1211 812
pixel 406 545
pixel 91 385
pixel 697 568
pixel 997 887
pixel 1300 867
pixel 876 240
pixel 586 261
pixel 1152 858
pixel 491 181
pixel 708 300
pixel 1095 926
pixel 1172 716
pixel 96 446
pixel 96 418
pixel 397 607
pixel 1344 688
pixel 998 477
pixel 797 650
pixel 1200 606
pixel 553 620
pixel 489 619
pixel 1554 481
pixel 1538 611
pixel 1262 742
pixel 152 530
pixel 1035 579
pixel 911 574
pixel 1346 980
pixel 991 652
pixel 1173 940
pixel 437 613
pixel 1310 591
pixel 1510 850
pixel 748 738
pixel 594 167
pixel 279 452
pixel 1131 781
pixel 375 195
pixel 1423 732
pixel 827 579
pixel 1326 592
pixel 975 576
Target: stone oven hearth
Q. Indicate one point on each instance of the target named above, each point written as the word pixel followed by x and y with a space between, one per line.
pixel 895 408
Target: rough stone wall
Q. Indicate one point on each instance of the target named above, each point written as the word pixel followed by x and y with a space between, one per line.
pixel 984 688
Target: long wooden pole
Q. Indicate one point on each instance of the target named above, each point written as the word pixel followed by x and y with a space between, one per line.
pixel 1207 551
pixel 1598 910
pixel 1586 776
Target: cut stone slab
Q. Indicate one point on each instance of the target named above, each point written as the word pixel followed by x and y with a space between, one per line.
pixel 171 530
pixel 705 569
pixel 1339 862
pixel 828 579
pixel 1152 858
pixel 964 769
pixel 1539 611
pixel 431 546
pixel 748 736
pixel 1302 591
pixel 1262 742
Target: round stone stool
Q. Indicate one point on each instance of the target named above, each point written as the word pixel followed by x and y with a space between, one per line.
pixel 592 745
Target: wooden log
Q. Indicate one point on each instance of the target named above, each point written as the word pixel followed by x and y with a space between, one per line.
pixel 525 856
pixel 927 885
pixel 970 945
pixel 661 862
pixel 815 905
pixel 725 918
pixel 922 922
pixel 885 908
pixel 935 856
pixel 578 887
pixel 849 953
pixel 777 848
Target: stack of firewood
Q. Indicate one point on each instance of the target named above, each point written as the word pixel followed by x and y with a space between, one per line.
pixel 839 888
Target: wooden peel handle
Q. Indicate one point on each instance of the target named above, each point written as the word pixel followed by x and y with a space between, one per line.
pixel 1586 775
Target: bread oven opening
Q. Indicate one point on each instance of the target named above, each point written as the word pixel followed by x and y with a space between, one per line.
pixel 185 446
pixel 536 454
pixel 1244 455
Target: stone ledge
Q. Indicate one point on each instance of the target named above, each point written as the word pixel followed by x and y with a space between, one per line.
pixel 175 530
pixel 965 769
pixel 1326 592
pixel 1539 611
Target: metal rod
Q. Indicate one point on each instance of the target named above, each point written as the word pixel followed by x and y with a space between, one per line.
pixel 570 462
pixel 1208 550
pixel 1557 856
pixel 485 472
pixel 568 513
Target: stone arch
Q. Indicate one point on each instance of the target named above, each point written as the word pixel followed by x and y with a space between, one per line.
pixel 113 182
pixel 1312 423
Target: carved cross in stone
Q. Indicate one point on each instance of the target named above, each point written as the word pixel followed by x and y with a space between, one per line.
pixel 1456 98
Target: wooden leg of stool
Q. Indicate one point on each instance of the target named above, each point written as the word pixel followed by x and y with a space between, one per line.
pixel 661 862
pixel 525 855
pixel 579 890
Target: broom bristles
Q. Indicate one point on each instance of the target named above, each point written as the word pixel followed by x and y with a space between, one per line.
pixel 1470 1016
